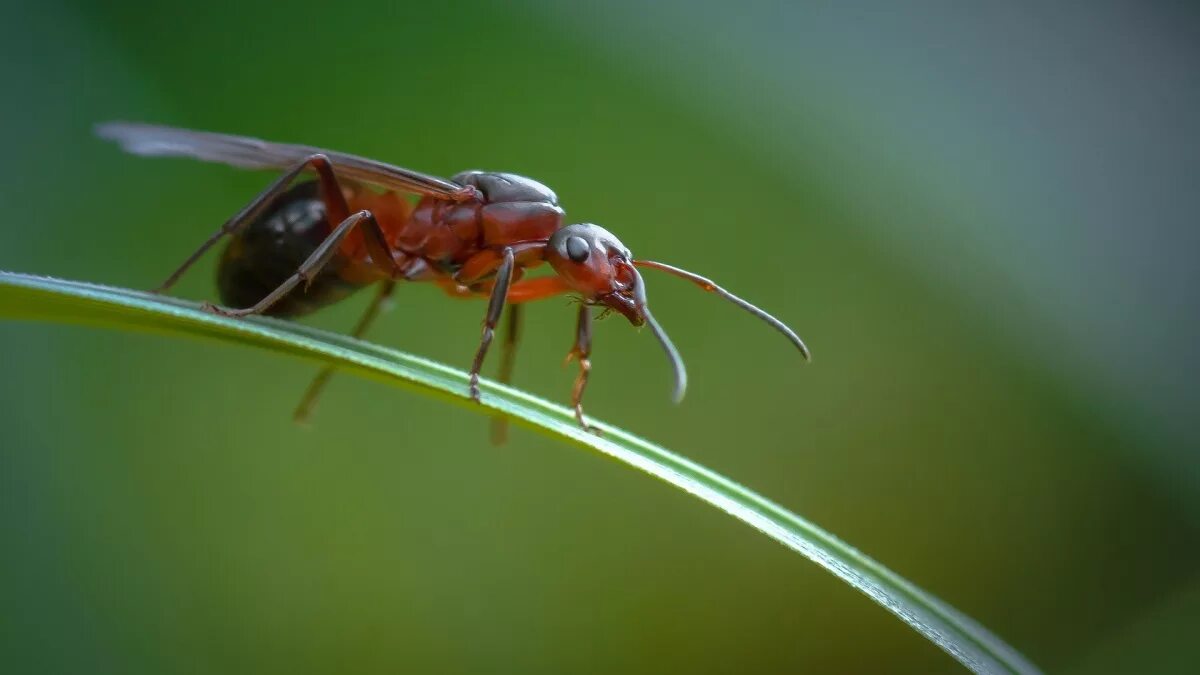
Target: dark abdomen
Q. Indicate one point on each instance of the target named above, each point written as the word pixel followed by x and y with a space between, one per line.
pixel 272 247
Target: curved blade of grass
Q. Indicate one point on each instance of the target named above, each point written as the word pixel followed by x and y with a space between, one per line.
pixel 39 298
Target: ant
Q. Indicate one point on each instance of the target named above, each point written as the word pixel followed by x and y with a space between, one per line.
pixel 299 246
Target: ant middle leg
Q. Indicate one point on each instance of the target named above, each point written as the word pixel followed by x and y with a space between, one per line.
pixel 504 275
pixel 503 290
pixel 512 335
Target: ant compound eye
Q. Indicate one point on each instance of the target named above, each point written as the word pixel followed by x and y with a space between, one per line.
pixel 577 249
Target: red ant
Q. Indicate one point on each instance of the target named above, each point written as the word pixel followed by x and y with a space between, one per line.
pixel 296 248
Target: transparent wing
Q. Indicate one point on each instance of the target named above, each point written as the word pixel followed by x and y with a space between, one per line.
pixel 251 153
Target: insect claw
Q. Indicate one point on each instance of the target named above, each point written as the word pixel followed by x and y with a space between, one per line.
pixel 583 421
pixel 230 313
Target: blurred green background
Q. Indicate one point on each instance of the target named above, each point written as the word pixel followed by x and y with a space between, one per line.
pixel 982 221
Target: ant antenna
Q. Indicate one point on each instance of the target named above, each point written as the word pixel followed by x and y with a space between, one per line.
pixel 639 297
pixel 708 285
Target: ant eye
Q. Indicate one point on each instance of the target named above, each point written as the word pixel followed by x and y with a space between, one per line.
pixel 577 249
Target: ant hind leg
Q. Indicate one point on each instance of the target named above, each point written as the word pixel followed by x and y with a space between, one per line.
pixel 377 306
pixel 317 260
pixel 331 194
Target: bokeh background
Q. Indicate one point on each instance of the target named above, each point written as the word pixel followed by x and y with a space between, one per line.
pixel 982 220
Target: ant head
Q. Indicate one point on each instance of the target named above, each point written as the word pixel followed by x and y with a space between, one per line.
pixel 597 265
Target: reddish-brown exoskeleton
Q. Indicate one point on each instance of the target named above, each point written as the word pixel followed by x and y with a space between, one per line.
pixel 298 247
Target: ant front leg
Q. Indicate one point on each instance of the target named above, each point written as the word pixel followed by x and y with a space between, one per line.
pixel 582 351
pixel 504 275
pixel 331 194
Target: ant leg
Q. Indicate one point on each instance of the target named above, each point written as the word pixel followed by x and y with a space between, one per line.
pixel 504 277
pixel 335 205
pixel 512 333
pixel 319 258
pixel 485 263
pixel 378 304
pixel 582 351
pixel 525 290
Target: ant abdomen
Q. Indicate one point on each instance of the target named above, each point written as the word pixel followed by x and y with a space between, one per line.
pixel 272 247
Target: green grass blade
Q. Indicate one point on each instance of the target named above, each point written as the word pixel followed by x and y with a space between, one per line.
pixel 38 298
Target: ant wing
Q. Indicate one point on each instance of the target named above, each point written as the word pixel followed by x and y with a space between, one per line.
pixel 250 153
